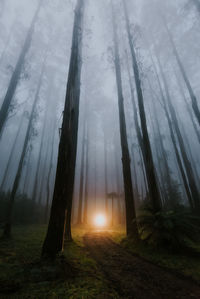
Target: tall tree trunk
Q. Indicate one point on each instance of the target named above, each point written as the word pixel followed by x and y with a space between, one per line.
pixel 106 172
pixel 183 72
pixel 118 188
pixel 167 177
pixel 64 184
pixel 17 72
pixel 49 175
pixel 85 211
pixel 188 108
pixel 28 169
pixel 173 138
pixel 7 229
pixel 43 173
pixel 131 225
pixel 80 206
pixel 36 179
pixel 151 175
pixel 187 164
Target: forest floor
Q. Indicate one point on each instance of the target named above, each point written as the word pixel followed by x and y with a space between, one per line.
pixel 133 277
pixel 97 265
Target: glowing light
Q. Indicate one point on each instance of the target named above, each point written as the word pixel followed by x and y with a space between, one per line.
pixel 100 220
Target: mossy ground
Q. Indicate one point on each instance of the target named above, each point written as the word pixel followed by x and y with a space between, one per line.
pixel 74 274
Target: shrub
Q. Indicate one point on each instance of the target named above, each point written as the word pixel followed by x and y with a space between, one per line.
pixel 176 229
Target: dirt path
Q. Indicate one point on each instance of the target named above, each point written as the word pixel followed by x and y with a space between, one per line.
pixel 133 277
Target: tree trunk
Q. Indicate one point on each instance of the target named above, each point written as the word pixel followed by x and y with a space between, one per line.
pixel 106 173
pixel 49 175
pixel 64 184
pixel 131 225
pixel 190 175
pixel 173 138
pixel 188 108
pixel 183 72
pixel 85 211
pixel 80 206
pixel 17 72
pixel 28 169
pixel 151 175
pixel 35 185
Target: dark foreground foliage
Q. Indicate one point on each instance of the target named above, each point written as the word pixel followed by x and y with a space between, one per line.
pixel 176 230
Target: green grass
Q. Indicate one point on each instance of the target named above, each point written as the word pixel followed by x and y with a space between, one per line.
pixel 73 275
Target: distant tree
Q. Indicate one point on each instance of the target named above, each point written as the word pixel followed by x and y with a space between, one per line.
pixel 29 131
pixel 187 164
pixel 17 72
pixel 184 74
pixel 148 161
pixel 63 192
pixel 39 159
pixel 172 134
pixel 11 155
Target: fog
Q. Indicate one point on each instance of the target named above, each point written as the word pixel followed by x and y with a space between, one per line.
pixel 99 170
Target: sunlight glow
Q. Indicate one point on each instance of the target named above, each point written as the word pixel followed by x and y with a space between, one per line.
pixel 100 220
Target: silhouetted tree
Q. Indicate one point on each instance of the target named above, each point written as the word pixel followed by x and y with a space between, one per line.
pixel 63 192
pixel 131 225
pixel 17 72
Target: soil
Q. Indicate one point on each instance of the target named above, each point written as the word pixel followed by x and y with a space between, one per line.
pixel 133 277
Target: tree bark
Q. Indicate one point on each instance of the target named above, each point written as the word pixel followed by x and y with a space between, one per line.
pixel 85 211
pixel 64 184
pixel 80 206
pixel 131 225
pixel 49 175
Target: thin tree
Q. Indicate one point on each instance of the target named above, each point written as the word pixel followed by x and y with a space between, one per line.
pixel 184 74
pixel 36 179
pixel 63 192
pixel 106 171
pixel 187 164
pixel 7 228
pixel 86 193
pixel 17 72
pixel 131 225
pixel 172 135
pixel 149 164
pixel 80 206
pixel 11 154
